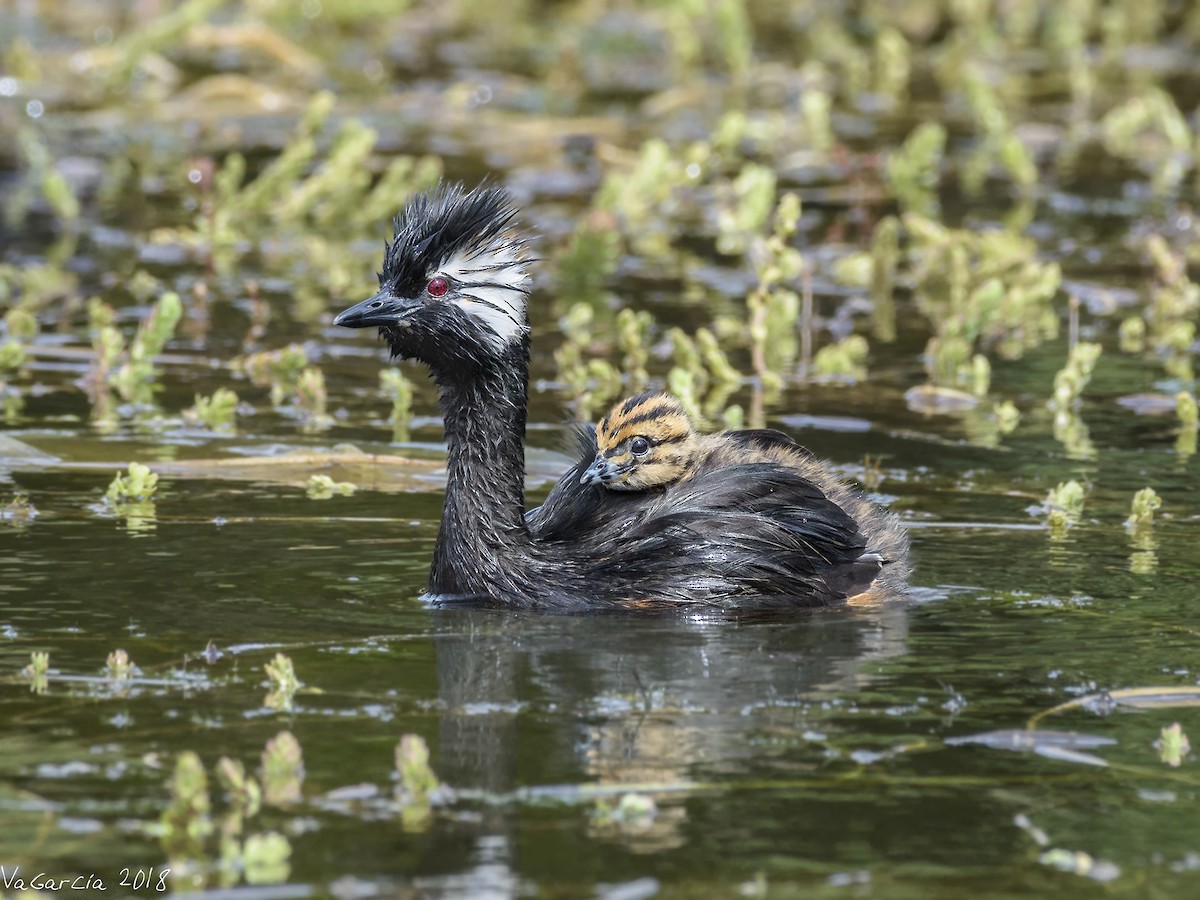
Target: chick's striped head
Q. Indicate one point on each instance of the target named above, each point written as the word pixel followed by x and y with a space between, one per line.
pixel 644 442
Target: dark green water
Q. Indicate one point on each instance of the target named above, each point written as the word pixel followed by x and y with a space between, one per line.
pixel 807 751
pixel 812 756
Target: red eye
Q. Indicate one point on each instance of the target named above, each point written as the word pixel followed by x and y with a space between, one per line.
pixel 437 287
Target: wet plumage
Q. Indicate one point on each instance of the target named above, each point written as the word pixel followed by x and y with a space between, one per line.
pixel 755 533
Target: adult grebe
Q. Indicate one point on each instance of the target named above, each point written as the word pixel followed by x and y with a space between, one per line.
pixel 748 535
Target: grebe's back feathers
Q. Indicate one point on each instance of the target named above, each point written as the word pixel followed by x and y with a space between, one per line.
pixel 755 533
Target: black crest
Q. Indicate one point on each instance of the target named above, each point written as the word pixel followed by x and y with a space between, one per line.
pixel 437 224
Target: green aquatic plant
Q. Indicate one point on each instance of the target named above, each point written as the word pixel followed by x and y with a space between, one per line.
pixel 398 389
pixel 242 790
pixel 774 308
pixel 20 328
pixel 913 172
pixel 631 812
pixel 716 31
pixel 282 770
pixel 117 63
pixel 717 364
pixel 40 179
pixel 583 269
pixel 642 199
pixel 277 369
pixel 38 671
pixel 591 382
pixel 686 355
pixel 187 821
pixel 748 202
pixel 633 339
pixel 281 676
pixel 311 398
pixel 266 858
pixel 119 666
pixel 1131 334
pixel 417 784
pixel 322 487
pixel 412 767
pixel 218 412
pixel 18 512
pixel 733 418
pixel 1189 418
pixel 1145 503
pixel 327 196
pixel 843 362
pixel 1064 504
pixel 682 384
pixel 1149 130
pixel 1070 380
pixel 134 378
pixel 980 290
pixel 1007 416
pixel 1174 306
pixel 137 484
pixel 1173 745
pixel 999 148
pixel 891 64
pixel 885 260
pixel 1187 411
pixel 131 496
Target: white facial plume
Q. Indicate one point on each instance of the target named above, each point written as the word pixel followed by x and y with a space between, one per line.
pixel 490 284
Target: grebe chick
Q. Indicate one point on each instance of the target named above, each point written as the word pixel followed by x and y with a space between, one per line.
pixel 752 535
pixel 650 441
pixel 647 441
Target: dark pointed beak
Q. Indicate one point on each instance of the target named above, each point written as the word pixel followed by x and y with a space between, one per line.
pixel 600 471
pixel 385 308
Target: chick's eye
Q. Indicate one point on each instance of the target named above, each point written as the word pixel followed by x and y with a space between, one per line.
pixel 437 287
pixel 639 446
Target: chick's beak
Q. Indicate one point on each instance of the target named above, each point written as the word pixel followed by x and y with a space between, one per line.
pixel 600 471
pixel 385 308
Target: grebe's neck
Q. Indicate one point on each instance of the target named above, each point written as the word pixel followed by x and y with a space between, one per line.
pixel 483 542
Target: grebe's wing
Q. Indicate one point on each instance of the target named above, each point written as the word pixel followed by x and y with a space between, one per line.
pixel 752 531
